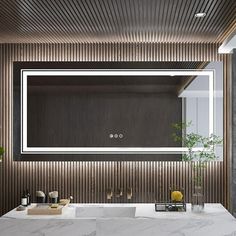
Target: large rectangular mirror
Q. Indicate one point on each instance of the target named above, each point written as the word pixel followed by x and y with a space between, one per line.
pixel 84 111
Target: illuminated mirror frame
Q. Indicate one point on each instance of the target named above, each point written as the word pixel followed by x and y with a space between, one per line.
pixel 108 72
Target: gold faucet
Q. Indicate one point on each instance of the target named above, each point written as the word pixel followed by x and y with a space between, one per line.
pixel 109 194
pixel 129 193
pixel 119 193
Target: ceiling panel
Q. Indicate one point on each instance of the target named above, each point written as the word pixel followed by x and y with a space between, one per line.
pixel 115 20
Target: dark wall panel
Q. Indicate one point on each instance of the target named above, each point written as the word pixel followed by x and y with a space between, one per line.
pixel 87 181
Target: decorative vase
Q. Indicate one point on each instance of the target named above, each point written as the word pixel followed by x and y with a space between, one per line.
pixel 197 204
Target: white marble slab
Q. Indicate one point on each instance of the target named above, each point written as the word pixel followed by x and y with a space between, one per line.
pixel 174 227
pixel 57 227
pixel 215 221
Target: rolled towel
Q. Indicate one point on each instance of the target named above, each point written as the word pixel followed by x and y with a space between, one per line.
pixel 53 194
pixel 40 194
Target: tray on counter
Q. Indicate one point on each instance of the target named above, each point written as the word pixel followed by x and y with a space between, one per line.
pixel 170 206
pixel 45 209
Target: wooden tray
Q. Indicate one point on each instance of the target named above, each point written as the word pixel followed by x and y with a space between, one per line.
pixel 45 209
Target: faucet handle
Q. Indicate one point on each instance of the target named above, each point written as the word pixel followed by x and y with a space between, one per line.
pixel 119 192
pixel 129 193
pixel 109 194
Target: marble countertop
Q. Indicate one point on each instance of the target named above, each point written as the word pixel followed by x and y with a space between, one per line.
pixel 215 220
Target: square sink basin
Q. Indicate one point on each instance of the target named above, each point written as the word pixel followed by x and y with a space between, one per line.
pixel 104 212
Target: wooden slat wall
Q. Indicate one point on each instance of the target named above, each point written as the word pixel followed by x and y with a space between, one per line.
pixel 88 181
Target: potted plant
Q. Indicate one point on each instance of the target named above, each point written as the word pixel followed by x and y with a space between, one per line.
pixel 1 152
pixel 196 158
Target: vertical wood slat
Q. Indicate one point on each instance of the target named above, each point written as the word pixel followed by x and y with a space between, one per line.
pixel 88 181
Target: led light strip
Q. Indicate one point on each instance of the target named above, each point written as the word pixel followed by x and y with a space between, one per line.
pixel 109 72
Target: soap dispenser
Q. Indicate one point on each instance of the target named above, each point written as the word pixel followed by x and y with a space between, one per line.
pixel 24 199
pixel 28 197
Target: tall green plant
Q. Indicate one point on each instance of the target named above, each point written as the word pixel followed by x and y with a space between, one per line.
pixel 1 152
pixel 200 157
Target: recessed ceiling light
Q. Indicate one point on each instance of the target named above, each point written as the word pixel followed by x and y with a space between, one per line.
pixel 200 14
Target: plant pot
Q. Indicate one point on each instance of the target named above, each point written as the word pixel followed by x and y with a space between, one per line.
pixel 197 204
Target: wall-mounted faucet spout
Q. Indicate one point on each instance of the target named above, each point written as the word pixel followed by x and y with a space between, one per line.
pixel 119 193
pixel 109 193
pixel 129 193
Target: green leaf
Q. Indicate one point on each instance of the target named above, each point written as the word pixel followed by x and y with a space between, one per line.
pixel 1 151
pixel 192 140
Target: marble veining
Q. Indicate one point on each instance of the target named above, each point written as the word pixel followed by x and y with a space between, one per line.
pixel 215 221
pixel 36 227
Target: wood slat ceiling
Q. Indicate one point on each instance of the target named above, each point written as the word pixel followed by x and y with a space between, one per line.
pixel 115 20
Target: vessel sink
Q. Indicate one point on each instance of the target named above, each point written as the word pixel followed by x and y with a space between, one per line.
pixel 104 212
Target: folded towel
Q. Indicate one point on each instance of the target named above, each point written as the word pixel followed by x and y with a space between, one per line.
pixel 40 194
pixel 53 194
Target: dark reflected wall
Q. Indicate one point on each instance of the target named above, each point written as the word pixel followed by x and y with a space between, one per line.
pixel 72 119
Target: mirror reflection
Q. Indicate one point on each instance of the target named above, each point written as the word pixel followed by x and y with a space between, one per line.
pixel 122 111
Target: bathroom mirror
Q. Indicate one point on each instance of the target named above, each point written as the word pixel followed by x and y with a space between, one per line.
pixel 113 111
